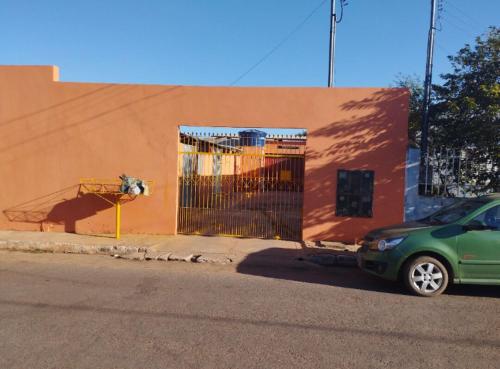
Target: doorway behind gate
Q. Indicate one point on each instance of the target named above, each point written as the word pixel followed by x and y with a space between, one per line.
pixel 241 182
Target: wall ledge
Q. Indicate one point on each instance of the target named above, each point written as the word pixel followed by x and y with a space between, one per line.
pixel 48 73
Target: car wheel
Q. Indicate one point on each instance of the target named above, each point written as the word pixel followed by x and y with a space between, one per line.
pixel 425 276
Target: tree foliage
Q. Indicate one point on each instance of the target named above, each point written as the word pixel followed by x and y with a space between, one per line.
pixel 416 88
pixel 465 109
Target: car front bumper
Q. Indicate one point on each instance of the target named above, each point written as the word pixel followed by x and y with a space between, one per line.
pixel 383 264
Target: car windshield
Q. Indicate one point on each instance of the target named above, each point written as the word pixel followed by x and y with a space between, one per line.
pixel 454 212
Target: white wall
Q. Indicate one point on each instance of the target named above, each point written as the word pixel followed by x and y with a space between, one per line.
pixel 417 207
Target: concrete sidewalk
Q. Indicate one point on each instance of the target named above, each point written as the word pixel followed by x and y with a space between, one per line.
pixel 220 250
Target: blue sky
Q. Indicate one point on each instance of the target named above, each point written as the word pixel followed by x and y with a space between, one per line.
pixel 201 42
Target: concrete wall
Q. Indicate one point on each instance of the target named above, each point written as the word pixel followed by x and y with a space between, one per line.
pixel 54 133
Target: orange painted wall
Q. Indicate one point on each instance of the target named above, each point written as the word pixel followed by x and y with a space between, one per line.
pixel 54 133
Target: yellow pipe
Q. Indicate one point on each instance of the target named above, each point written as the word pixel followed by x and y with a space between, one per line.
pixel 118 218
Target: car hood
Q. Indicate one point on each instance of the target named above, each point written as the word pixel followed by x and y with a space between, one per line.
pixel 395 230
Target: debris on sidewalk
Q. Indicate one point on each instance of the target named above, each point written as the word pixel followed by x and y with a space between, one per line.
pixel 149 255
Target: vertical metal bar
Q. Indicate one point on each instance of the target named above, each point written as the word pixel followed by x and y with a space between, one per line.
pixel 257 217
pixel 187 186
pixel 232 193
pixel 278 198
pixel 230 186
pixel 208 159
pixel 287 214
pixel 260 189
pixel 187 183
pixel 118 207
pixel 180 180
pixel 284 214
pixel 226 189
pixel 179 183
pixel 183 203
pixel 218 190
pixel 193 214
pixel 280 195
pixel 233 189
pixel 193 166
pixel 262 184
pixel 267 198
pixel 237 201
pixel 248 163
pixel 196 177
pixel 251 193
pixel 295 206
pixel 199 187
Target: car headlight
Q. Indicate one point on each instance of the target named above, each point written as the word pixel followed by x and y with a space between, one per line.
pixel 389 243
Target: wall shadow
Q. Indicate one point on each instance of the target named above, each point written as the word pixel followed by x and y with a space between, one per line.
pixel 261 264
pixel 64 207
pixel 373 138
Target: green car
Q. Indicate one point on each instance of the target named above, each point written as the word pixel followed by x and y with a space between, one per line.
pixel 459 243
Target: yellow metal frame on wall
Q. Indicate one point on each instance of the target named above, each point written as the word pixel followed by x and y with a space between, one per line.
pixel 109 191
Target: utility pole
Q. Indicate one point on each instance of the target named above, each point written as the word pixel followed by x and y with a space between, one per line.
pixel 424 146
pixel 333 28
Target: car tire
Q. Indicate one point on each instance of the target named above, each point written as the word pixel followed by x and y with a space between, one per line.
pixel 425 276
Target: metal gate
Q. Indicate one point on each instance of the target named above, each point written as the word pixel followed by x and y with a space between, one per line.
pixel 245 185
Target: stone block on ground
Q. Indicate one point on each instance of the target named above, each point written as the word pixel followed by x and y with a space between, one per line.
pixel 215 259
pixel 180 257
pixel 151 255
pixel 139 256
pixel 163 256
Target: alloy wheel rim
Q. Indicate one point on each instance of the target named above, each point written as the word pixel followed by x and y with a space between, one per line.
pixel 427 277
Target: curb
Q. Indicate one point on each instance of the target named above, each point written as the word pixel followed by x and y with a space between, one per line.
pixel 128 252
pixel 141 253
pixel 68 248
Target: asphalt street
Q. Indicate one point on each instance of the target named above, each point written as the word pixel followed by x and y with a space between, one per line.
pixel 80 311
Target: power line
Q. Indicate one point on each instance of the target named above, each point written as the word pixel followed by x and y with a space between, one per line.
pixel 458 27
pixel 461 20
pixel 443 49
pixel 463 12
pixel 279 44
